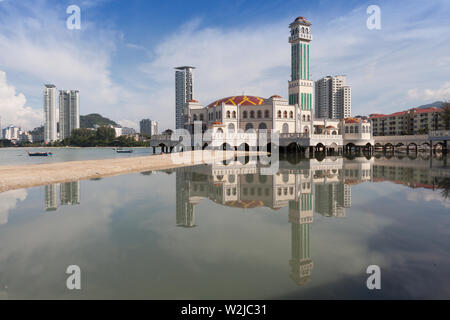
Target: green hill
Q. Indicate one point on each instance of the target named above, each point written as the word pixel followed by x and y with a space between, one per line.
pixel 92 119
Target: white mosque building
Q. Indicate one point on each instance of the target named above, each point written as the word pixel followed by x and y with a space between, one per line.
pixel 237 119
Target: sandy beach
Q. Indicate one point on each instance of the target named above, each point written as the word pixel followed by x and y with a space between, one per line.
pixel 26 176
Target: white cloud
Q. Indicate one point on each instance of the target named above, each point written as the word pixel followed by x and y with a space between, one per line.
pixel 13 109
pixel 8 201
pixel 427 195
pixel 129 124
pixel 442 93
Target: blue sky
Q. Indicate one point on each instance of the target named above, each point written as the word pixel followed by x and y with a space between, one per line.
pixel 122 59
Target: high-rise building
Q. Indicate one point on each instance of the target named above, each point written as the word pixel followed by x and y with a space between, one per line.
pixel 301 85
pixel 333 97
pixel 148 127
pixel 51 197
pixel 69 193
pixel 69 112
pixel 184 92
pixel 11 133
pixel 50 120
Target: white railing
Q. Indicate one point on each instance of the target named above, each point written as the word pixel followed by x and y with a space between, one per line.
pixel 401 138
pixel 327 136
pixel 440 133
pixel 294 135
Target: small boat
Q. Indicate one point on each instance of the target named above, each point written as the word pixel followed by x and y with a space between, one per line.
pixel 39 154
pixel 124 151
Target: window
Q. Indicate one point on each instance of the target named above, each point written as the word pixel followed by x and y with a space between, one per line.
pixel 351 129
pixel 234 114
pixel 231 127
pixel 228 114
pixel 248 126
pixel 285 128
pixel 259 114
pixel 262 126
pixel 356 129
pixel 285 114
pixel 252 114
pixel 266 114
pixel 279 114
pixel 309 118
pixel 304 118
pixel 244 115
pixel 195 117
pixel 201 117
pixel 346 129
pixel 291 114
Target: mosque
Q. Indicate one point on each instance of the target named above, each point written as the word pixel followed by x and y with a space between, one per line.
pixel 238 119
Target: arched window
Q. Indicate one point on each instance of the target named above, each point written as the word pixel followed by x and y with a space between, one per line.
pixel 231 127
pixel 291 114
pixel 279 114
pixel 305 129
pixel 304 118
pixel 266 114
pixel 244 115
pixel 248 126
pixel 351 129
pixel 252 114
pixel 234 114
pixel 356 129
pixel 346 129
pixel 219 130
pixel 201 117
pixel 309 117
pixel 262 126
pixel 259 114
pixel 285 128
pixel 195 117
pixel 228 114
pixel 285 114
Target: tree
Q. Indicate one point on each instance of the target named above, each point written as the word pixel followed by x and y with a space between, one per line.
pixel 445 115
pixel 105 134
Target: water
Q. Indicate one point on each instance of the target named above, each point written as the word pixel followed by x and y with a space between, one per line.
pixel 19 156
pixel 220 232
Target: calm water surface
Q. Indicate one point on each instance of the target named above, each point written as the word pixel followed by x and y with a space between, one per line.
pixel 227 231
pixel 19 156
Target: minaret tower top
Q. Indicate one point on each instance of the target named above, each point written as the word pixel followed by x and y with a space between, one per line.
pixel 300 30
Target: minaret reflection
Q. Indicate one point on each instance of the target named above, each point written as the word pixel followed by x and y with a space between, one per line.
pixel 304 187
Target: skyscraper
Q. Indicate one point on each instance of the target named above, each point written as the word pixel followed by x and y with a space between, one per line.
pixel 50 129
pixel 333 97
pixel 184 92
pixel 69 112
pixel 148 127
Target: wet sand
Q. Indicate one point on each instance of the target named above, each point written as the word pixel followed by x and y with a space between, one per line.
pixel 26 176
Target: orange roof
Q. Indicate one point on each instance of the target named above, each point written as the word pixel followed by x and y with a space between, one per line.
pixel 242 100
pixel 351 120
pixel 276 96
pixel 426 110
pixel 193 100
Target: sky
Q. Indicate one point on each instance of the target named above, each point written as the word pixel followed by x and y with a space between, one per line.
pixel 122 57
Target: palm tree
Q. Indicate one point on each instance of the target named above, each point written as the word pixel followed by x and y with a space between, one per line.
pixel 445 115
pixel 444 185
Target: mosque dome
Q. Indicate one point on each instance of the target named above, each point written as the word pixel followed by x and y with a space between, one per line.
pixel 235 100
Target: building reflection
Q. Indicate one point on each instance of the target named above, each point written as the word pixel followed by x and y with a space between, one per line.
pixel 306 187
pixel 69 193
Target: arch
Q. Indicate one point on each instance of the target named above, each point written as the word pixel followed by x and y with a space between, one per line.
pixel 304 118
pixel 244 147
pixel 305 129
pixel 320 147
pixel 244 115
pixel 219 130
pixel 292 147
pixel 231 127
pixel 285 128
pixel 285 114
pixel 248 126
pixel 266 114
pixel 228 114
pixel 279 114
pixel 226 146
pixel 291 115
pixel 234 114
pixel 309 117
pixel 262 126
pixel 333 132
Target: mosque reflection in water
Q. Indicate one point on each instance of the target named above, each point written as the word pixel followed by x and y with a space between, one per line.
pixel 305 186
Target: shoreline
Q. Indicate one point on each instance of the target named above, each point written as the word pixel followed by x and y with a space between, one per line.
pixel 14 177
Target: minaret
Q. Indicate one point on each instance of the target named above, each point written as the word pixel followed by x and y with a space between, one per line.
pixel 301 86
